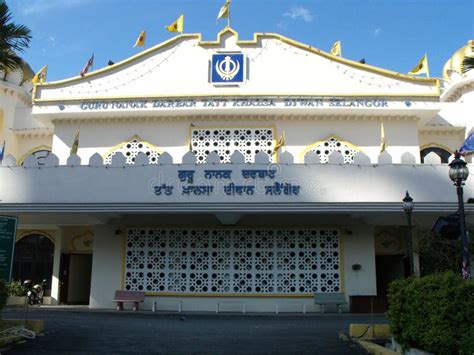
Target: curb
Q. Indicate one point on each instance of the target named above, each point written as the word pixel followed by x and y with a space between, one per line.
pixel 186 314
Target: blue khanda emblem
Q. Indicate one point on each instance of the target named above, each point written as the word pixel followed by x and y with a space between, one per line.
pixel 227 68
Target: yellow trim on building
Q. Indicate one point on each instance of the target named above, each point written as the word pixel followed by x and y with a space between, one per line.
pixel 267 295
pixel 240 295
pixel 311 146
pixel 256 38
pixel 84 234
pixel 124 247
pixel 231 95
pixel 272 127
pixel 342 236
pixel 120 145
pixel 33 150
pixel 436 145
pixel 24 234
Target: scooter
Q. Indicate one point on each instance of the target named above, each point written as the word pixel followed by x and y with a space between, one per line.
pixel 34 293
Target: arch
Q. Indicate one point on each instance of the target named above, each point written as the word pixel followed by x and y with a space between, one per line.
pixel 325 147
pixel 41 152
pixel 22 235
pixel 130 148
pixel 33 258
pixel 442 151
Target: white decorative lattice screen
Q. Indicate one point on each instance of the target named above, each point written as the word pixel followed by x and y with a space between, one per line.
pixel 324 149
pixel 132 148
pixel 220 261
pixel 248 141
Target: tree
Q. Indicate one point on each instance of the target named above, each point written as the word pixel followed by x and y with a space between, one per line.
pixel 467 64
pixel 14 38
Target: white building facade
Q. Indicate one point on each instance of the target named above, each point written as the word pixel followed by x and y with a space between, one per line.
pixel 230 174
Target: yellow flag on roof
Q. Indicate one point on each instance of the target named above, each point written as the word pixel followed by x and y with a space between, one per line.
pixel 177 26
pixel 383 141
pixel 75 145
pixel 40 76
pixel 141 39
pixel 421 67
pixel 336 49
pixel 224 12
pixel 280 143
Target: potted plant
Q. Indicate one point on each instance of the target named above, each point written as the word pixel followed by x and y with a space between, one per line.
pixel 16 293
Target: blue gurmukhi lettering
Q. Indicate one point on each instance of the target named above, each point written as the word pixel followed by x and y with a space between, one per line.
pixel 233 189
pixel 217 174
pixel 262 174
pixel 282 188
pixel 197 190
pixel 163 189
pixel 186 175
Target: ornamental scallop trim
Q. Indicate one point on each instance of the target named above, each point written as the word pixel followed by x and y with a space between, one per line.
pixel 131 149
pixel 225 141
pixel 325 148
pixel 233 261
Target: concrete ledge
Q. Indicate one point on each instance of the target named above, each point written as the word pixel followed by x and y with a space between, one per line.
pixel 372 348
pixel 35 325
pixel 8 340
pixel 366 331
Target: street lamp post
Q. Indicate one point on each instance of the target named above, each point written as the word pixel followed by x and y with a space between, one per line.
pixel 408 208
pixel 458 173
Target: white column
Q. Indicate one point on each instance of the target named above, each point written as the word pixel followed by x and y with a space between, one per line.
pixel 56 264
pixel 107 266
pixel 359 248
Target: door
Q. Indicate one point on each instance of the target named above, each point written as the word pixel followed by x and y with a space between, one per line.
pixel 79 283
pixel 63 278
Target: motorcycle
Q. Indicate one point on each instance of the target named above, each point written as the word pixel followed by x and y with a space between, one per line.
pixel 34 293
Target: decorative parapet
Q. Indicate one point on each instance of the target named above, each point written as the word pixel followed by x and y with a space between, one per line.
pixel 259 186
pixel 310 158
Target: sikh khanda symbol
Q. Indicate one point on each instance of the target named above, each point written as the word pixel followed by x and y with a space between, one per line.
pixel 227 68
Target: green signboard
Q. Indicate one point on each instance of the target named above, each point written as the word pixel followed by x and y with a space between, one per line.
pixel 7 246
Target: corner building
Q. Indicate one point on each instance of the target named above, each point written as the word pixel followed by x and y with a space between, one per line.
pixel 229 174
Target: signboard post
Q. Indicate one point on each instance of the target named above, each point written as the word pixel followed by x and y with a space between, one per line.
pixel 7 246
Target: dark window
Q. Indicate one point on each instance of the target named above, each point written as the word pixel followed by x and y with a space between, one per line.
pixel 442 153
pixel 33 259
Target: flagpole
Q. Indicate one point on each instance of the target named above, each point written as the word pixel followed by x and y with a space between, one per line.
pixel 228 17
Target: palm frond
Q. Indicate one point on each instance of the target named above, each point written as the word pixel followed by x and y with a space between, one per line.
pixel 14 38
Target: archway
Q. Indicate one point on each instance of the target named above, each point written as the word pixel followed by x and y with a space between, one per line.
pixel 33 259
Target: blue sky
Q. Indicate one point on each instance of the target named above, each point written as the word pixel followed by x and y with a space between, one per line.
pixel 392 34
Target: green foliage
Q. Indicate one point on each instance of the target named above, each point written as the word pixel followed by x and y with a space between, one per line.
pixel 14 38
pixel 433 313
pixel 15 288
pixel 3 294
pixel 440 254
pixel 467 341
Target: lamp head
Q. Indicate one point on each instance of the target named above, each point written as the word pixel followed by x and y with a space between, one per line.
pixel 458 170
pixel 407 203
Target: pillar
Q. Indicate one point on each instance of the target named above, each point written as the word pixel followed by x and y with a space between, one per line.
pixel 107 265
pixel 56 267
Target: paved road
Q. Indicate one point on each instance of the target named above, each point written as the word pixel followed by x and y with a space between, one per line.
pixel 74 332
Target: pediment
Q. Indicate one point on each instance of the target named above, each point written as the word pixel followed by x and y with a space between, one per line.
pixel 275 65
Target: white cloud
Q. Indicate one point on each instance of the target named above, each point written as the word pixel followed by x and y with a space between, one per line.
pixel 52 41
pixel 377 32
pixel 282 24
pixel 299 13
pixel 36 6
